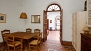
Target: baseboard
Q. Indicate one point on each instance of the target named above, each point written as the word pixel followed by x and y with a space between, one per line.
pixel 42 40
pixel 66 43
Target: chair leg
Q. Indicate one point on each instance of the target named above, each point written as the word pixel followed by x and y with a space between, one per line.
pixel 37 47
pixel 14 48
pixel 29 47
pixel 21 47
pixel 8 48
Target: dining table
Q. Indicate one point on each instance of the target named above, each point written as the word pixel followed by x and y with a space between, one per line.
pixel 25 36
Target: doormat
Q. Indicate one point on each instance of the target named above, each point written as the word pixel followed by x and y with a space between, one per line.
pixel 52 50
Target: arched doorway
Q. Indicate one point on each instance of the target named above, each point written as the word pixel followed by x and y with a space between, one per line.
pixel 51 8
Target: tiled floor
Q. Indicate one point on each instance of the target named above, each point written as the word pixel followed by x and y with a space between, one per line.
pixel 53 45
pixel 53 35
pixel 50 45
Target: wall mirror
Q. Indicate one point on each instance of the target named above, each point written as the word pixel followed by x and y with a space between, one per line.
pixel 35 18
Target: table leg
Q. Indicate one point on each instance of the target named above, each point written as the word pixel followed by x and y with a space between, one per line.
pixel 28 45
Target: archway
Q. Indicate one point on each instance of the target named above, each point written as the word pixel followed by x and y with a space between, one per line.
pixel 51 8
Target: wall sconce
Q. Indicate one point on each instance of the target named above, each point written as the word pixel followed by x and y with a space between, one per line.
pixel 23 15
pixel 86 30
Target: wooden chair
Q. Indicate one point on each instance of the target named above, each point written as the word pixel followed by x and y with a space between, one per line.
pixel 3 32
pixel 28 30
pixel 34 43
pixel 13 43
pixel 36 31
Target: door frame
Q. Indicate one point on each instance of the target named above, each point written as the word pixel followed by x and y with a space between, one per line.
pixel 61 15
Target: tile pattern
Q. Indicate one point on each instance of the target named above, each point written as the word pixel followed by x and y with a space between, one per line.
pixel 53 35
pixel 49 45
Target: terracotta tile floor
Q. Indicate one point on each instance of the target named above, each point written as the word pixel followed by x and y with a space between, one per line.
pixel 50 45
pixel 53 35
pixel 53 45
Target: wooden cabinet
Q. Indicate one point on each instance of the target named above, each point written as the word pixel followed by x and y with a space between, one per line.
pixel 78 23
pixel 89 13
pixel 85 42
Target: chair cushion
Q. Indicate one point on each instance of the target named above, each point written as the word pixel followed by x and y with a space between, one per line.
pixel 16 44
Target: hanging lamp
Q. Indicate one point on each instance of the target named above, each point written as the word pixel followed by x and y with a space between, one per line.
pixel 23 15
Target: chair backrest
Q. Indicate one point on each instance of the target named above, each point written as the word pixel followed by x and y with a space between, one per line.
pixel 9 38
pixel 28 30
pixel 5 32
pixel 39 37
pixel 36 30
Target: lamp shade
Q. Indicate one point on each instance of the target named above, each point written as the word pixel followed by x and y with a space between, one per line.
pixel 23 15
pixel 86 28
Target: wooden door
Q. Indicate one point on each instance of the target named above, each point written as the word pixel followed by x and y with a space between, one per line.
pixel 61 13
pixel 45 26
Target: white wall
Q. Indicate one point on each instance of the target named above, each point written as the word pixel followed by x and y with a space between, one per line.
pixel 36 7
pixel 52 16
pixel 12 9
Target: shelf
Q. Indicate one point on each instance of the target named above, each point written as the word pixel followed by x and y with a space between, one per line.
pixel 89 13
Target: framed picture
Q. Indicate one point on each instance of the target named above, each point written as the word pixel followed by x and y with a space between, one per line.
pixel 35 18
pixel 50 21
pixel 2 18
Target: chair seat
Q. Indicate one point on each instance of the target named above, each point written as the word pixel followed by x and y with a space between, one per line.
pixel 34 42
pixel 16 44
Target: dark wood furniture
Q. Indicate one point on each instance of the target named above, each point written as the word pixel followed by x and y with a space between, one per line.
pixel 28 30
pixel 85 42
pixel 35 43
pixel 4 32
pixel 25 36
pixel 37 30
pixel 12 42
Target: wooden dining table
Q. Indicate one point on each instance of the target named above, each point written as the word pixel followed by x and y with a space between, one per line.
pixel 25 36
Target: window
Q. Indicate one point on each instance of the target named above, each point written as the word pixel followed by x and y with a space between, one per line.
pixel 53 7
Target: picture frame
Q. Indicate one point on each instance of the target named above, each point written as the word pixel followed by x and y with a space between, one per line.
pixel 2 18
pixel 35 18
pixel 50 21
